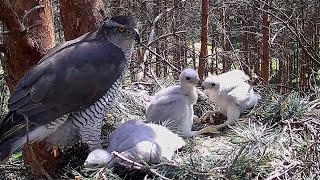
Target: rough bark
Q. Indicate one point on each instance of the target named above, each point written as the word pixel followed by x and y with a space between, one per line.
pixel 80 16
pixel 265 66
pixel 30 36
pixel 204 38
pixel 27 41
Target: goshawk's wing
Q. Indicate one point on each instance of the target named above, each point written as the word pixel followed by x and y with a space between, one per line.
pixel 71 77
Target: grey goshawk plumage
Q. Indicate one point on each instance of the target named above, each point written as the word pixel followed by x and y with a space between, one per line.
pixel 137 141
pixel 231 93
pixel 173 106
pixel 74 82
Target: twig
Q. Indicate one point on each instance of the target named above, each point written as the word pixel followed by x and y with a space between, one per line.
pixel 164 36
pixel 27 13
pixel 156 54
pixel 156 79
pixel 156 20
pixel 137 166
pixel 141 82
pixel 98 173
pixel 12 167
pixel 223 30
pixel 278 173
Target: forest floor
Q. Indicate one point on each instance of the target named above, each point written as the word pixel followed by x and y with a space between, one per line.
pixel 277 139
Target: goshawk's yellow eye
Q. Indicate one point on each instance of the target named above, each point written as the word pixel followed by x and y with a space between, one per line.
pixel 121 29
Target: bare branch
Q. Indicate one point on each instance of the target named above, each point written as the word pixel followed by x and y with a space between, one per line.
pixel 137 166
pixel 153 29
pixel 27 13
pixel 156 20
pixel 164 36
pixel 156 54
pixel 223 30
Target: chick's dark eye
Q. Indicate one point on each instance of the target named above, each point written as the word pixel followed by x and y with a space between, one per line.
pixel 188 78
pixel 213 84
pixel 121 29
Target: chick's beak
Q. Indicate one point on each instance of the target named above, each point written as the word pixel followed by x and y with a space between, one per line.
pixel 199 82
pixel 204 86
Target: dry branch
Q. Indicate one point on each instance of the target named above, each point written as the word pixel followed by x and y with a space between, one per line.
pixel 156 54
pixel 278 173
pixel 156 20
pixel 27 13
pixel 152 33
pixel 14 25
pixel 137 166
pixel 164 36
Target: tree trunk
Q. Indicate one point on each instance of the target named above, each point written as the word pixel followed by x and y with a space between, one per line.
pixel 30 36
pixel 194 64
pixel 245 46
pixel 304 55
pixel 225 63
pixel 280 75
pixel 265 67
pixel 289 59
pixel 256 59
pixel 24 48
pixel 213 60
pixel 204 38
pixel 80 16
pixel 157 8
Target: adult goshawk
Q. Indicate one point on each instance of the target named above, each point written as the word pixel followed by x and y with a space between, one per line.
pixel 76 81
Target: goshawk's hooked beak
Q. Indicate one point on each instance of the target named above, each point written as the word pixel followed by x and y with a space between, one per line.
pixel 136 35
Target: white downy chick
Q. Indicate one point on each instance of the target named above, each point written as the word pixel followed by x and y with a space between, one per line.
pixel 231 93
pixel 173 106
pixel 137 141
